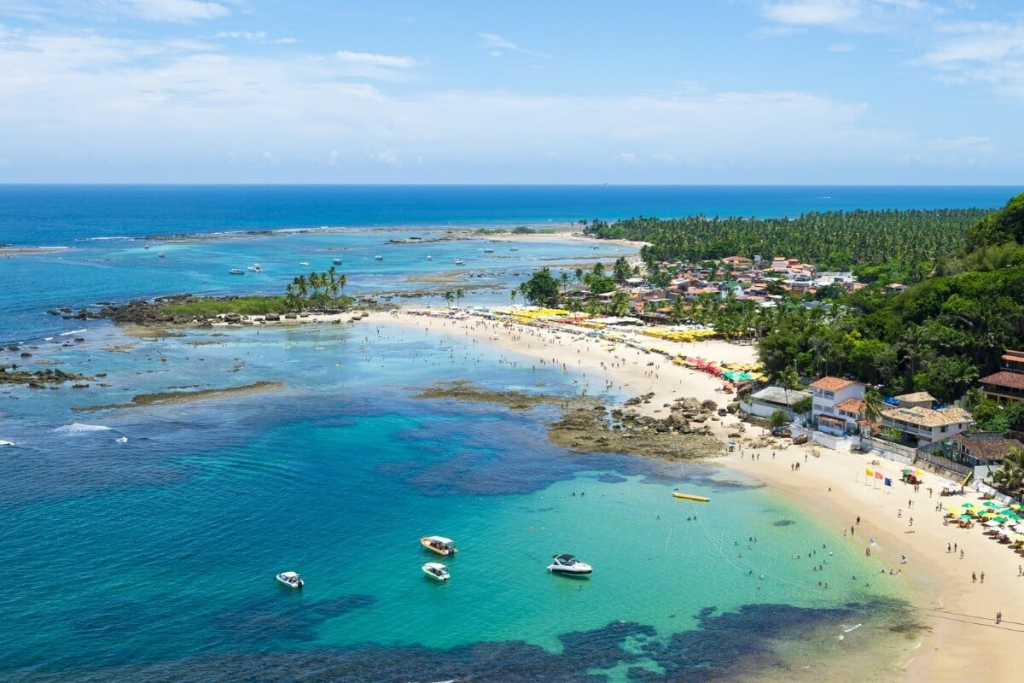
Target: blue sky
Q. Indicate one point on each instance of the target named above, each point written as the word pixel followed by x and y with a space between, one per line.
pixel 698 92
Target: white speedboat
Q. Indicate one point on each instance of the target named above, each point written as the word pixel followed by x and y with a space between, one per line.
pixel 256 268
pixel 429 257
pixel 290 579
pixel 568 564
pixel 237 271
pixel 337 261
pixel 436 571
pixel 440 545
pixel 303 263
pixel 459 262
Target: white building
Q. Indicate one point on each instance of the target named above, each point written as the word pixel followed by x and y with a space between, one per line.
pixel 765 402
pixel 829 393
pixel 918 422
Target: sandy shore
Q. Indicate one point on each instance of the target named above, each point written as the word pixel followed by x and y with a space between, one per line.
pixel 965 643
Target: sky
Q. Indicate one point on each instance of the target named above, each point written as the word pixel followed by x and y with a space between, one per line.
pixel 556 91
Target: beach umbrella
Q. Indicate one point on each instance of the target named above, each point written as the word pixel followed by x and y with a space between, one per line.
pixel 907 471
pixel 1001 520
pixel 990 504
pixel 967 505
pixel 1015 506
pixel 965 517
pixel 991 523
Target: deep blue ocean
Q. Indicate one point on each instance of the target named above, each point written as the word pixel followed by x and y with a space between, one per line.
pixel 142 542
pixel 58 215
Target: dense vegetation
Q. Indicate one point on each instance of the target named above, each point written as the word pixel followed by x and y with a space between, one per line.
pixel 243 305
pixel 907 242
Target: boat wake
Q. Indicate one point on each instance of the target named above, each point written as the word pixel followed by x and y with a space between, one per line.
pixel 847 629
pixel 79 428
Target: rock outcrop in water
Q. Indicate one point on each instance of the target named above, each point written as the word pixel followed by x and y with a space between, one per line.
pixel 9 374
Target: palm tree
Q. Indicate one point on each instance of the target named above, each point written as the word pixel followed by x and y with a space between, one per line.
pixel 873 405
pixel 579 276
pixel 1010 477
pixel 342 281
pixel 448 296
pixel 789 379
pixel 459 294
pixel 513 293
pixel 565 283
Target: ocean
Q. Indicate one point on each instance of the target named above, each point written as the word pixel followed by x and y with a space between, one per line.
pixel 143 542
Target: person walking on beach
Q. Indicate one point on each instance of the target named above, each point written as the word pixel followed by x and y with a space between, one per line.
pixel 999 617
pixel 983 577
pixel 974 577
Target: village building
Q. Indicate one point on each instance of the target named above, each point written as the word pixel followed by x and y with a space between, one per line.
pixel 982 449
pixel 1008 384
pixel 765 402
pixel 831 392
pixel 920 424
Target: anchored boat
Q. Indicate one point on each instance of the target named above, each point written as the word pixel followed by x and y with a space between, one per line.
pixel 436 571
pixel 440 545
pixel 569 565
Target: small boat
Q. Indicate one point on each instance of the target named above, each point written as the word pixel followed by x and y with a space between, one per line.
pixel 690 496
pixel 459 262
pixel 256 268
pixel 160 255
pixel 568 564
pixel 303 263
pixel 237 271
pixel 429 257
pixel 514 249
pixel 378 257
pixel 337 261
pixel 290 579
pixel 439 545
pixel 488 251
pixel 436 571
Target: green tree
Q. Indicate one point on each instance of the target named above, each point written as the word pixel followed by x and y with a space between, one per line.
pixel 778 418
pixel 541 288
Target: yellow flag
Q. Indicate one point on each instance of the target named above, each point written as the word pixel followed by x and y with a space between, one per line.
pixel 869 473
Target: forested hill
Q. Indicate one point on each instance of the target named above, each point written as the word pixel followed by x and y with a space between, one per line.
pixel 832 241
pixel 939 336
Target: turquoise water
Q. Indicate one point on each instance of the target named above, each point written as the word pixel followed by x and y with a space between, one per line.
pixel 145 540
pixel 140 557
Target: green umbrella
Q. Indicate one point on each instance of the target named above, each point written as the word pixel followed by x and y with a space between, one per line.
pixel 965 517
pixel 907 471
pixel 1001 520
pixel 990 504
pixel 968 505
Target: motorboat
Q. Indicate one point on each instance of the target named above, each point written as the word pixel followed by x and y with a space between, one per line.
pixel 337 261
pixel 160 255
pixel 459 262
pixel 256 268
pixel 429 257
pixel 378 257
pixel 440 545
pixel 237 271
pixel 568 564
pixel 436 571
pixel 290 579
pixel 303 263
pixel 488 251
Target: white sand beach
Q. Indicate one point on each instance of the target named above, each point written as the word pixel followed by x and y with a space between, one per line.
pixel 965 643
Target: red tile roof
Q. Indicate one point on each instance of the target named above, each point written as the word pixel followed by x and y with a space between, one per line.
pixel 1011 380
pixel 987 449
pixel 851 405
pixel 831 383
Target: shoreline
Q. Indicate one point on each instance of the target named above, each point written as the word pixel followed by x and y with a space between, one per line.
pixel 960 615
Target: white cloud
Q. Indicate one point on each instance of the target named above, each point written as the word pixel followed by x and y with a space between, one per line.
pixel 496 46
pixel 81 105
pixel 244 35
pixel 970 144
pixel 179 11
pixel 979 52
pixel 370 59
pixel 812 12
pixel 387 156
